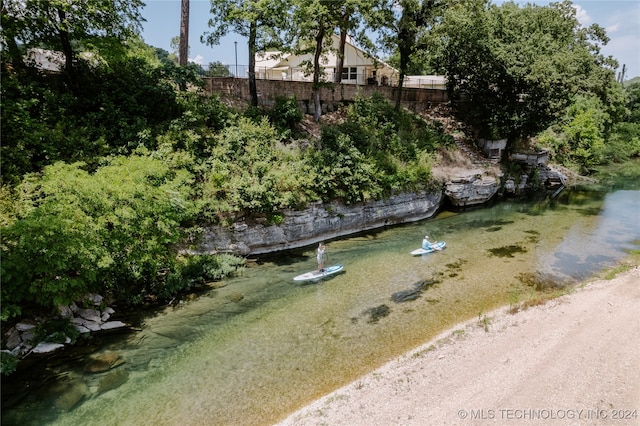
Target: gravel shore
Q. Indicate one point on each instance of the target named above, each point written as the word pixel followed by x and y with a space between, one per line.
pixel 573 360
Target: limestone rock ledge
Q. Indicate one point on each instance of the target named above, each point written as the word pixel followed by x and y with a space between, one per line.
pixel 320 221
pixel 471 190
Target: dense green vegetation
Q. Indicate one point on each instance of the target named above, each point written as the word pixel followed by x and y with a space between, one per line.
pixel 98 193
pixel 115 162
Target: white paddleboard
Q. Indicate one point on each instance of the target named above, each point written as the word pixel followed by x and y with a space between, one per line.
pixel 316 275
pixel 439 245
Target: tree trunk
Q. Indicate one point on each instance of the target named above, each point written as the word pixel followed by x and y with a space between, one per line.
pixel 340 56
pixel 253 90
pixel 404 63
pixel 183 49
pixel 67 50
pixel 316 74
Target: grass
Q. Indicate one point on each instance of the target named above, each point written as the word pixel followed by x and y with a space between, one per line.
pixel 631 261
pixel 484 321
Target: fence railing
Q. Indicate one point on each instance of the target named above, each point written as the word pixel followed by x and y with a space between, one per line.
pixel 301 74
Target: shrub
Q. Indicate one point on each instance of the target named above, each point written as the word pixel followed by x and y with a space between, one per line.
pixel 75 232
pixel 342 171
pixel 56 330
pixel 197 270
pixel 285 113
pixel 8 363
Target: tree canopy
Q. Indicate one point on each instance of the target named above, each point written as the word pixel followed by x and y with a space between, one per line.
pixel 67 26
pixel 516 67
pixel 261 21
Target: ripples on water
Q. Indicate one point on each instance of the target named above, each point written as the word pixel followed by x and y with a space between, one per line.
pixel 220 360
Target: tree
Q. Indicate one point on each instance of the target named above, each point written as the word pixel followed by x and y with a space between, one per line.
pixel 402 25
pixel 183 51
pixel 218 69
pixel 61 25
pixel 314 24
pixel 518 68
pixel 350 17
pixel 76 232
pixel 259 20
pixel 632 90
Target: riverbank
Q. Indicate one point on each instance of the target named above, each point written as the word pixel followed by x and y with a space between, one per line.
pixel 572 360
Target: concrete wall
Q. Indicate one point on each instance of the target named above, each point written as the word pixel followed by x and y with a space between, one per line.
pixel 415 99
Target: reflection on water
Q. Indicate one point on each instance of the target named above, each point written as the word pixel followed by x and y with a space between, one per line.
pixel 264 345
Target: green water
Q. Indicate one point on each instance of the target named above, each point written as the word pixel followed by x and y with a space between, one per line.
pixel 219 361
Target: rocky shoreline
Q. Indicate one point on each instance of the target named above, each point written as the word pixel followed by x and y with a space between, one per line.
pixel 22 339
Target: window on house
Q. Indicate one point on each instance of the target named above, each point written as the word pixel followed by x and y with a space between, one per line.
pixel 349 73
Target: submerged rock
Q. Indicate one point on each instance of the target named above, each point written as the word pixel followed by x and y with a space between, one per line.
pixel 377 312
pixel 71 394
pixel 113 380
pixel 406 295
pixel 103 362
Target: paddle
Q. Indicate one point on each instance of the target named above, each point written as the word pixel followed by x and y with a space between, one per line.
pixel 434 246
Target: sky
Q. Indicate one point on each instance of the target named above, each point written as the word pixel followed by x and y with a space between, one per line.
pixel 620 19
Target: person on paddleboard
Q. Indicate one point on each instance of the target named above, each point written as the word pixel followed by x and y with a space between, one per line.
pixel 428 245
pixel 321 253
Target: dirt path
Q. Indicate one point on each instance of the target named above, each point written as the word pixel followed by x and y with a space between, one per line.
pixel 574 360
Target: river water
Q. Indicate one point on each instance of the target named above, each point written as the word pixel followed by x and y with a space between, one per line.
pixel 263 346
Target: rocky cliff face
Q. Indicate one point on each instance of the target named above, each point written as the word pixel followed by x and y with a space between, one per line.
pixel 320 221
pixel 471 190
pixel 324 221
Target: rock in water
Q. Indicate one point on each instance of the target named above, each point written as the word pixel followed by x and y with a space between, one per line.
pixel 113 380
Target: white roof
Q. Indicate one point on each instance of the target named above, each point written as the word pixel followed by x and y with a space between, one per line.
pixel 270 59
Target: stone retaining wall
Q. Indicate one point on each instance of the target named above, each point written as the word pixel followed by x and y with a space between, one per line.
pixel 331 95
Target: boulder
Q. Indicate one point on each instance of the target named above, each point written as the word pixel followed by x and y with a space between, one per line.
pixel 82 329
pixel 113 380
pixel 93 298
pixel 92 325
pixel 103 362
pixel 22 326
pixel 71 395
pixel 471 190
pixel 89 314
pixel 46 347
pixel 13 339
pixel 112 325
pixel 65 311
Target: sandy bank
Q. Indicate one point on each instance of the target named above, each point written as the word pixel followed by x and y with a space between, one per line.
pixel 574 360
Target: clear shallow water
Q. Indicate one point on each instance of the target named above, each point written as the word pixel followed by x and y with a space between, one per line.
pixel 216 360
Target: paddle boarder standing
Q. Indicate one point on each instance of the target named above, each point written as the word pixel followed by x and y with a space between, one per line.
pixel 321 250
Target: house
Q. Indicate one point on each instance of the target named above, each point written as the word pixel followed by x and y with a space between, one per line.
pixel 359 67
pixel 52 61
pixel 46 60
